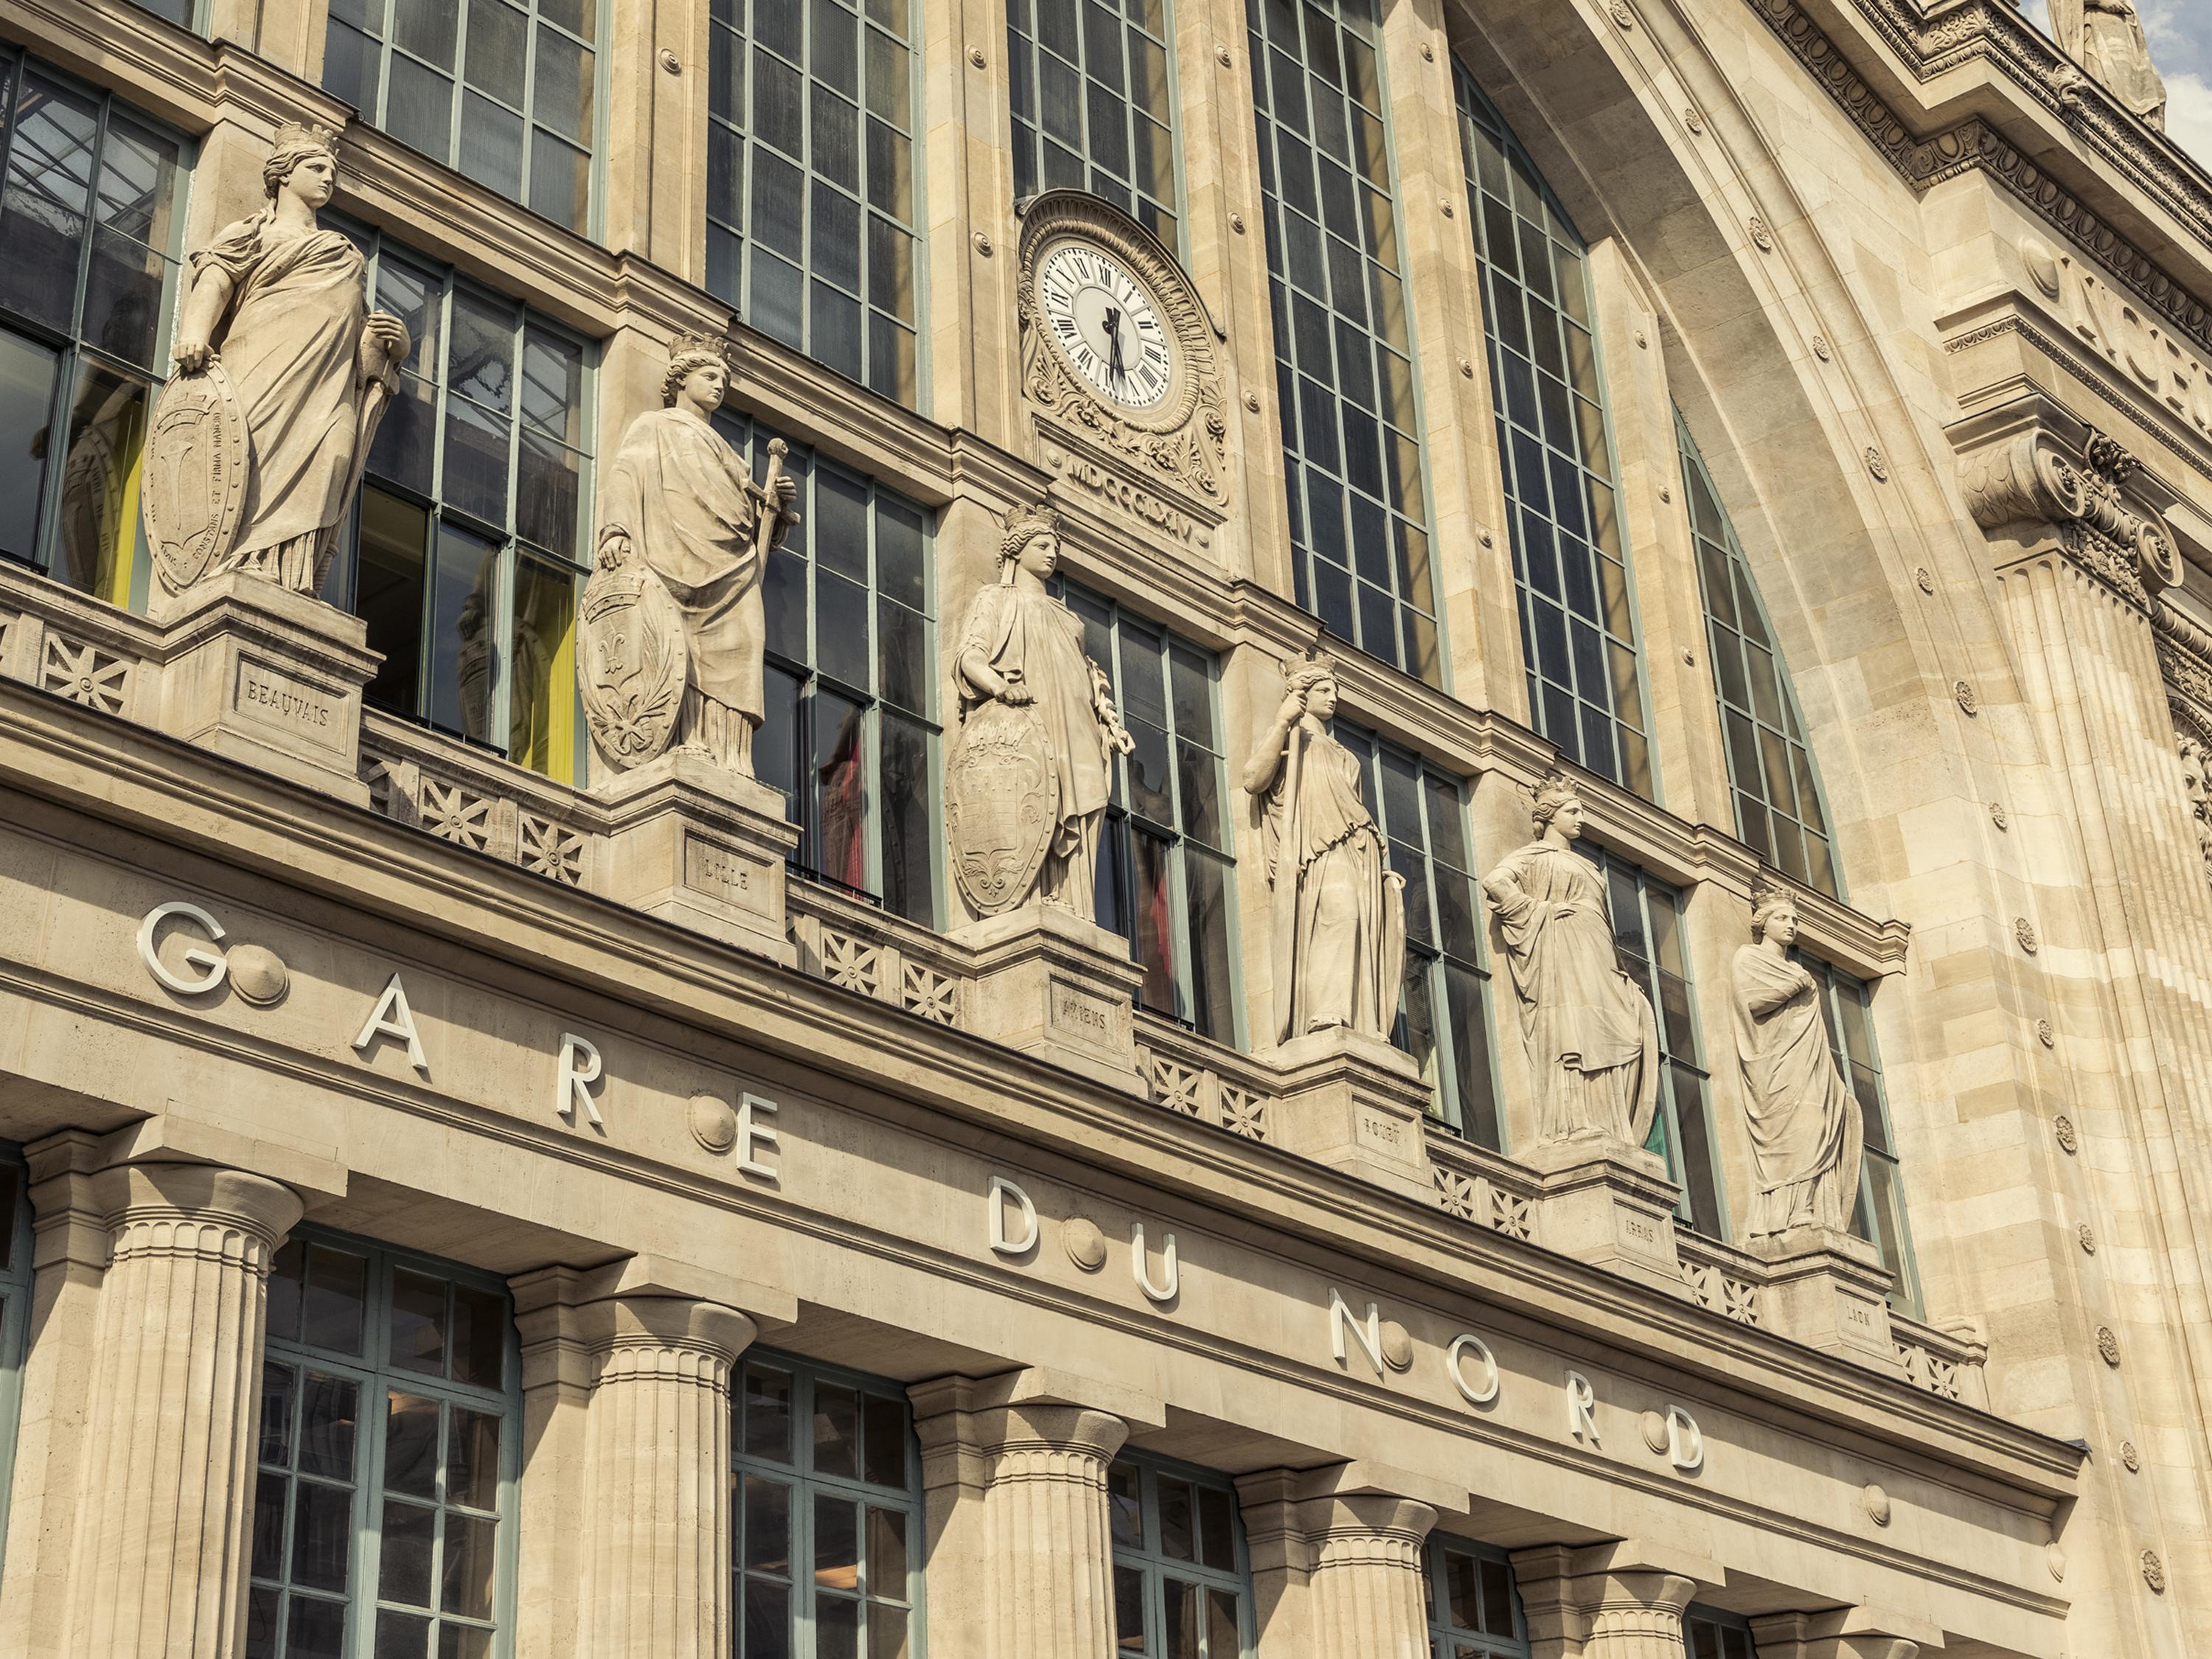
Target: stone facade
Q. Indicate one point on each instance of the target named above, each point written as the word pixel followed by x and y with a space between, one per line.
pixel 709 1215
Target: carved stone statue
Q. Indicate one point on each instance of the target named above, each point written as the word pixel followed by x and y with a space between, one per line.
pixel 1593 1042
pixel 282 375
pixel 673 630
pixel 2106 37
pixel 1340 909
pixel 1807 1131
pixel 1027 786
pixel 2196 779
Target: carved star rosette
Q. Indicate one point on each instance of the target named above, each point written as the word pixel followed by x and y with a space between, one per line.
pixel 1177 445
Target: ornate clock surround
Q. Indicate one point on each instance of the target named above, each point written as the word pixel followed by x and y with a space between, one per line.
pixel 1180 447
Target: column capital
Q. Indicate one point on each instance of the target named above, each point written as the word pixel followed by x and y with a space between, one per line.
pixel 1624 1598
pixel 134 1197
pixel 967 1425
pixel 1860 1632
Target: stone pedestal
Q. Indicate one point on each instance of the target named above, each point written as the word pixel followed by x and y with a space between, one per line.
pixel 1829 1290
pixel 269 677
pixel 1355 1103
pixel 1619 1601
pixel 174 1390
pixel 1021 1549
pixel 1609 1204
pixel 695 844
pixel 1053 985
pixel 656 1515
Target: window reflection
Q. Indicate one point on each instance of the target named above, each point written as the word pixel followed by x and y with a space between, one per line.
pixel 87 214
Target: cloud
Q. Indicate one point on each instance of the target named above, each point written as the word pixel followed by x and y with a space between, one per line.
pixel 2188 115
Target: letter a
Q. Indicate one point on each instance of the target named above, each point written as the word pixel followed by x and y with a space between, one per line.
pixel 391 1018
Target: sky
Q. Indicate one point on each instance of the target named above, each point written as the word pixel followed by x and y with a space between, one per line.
pixel 2180 34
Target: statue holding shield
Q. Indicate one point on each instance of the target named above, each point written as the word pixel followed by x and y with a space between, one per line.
pixel 1026 789
pixel 283 373
pixel 673 628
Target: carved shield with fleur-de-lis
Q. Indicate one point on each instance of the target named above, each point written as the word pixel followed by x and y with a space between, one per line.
pixel 631 664
pixel 193 487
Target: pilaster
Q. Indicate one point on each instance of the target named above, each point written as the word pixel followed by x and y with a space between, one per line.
pixel 1842 1633
pixel 1336 1558
pixel 173 1391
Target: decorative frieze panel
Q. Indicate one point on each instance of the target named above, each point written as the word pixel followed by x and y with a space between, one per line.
pixel 877 955
pixel 417 778
pixel 1475 1185
pixel 1186 1075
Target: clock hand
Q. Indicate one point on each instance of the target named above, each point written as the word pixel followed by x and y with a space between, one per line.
pixel 1114 342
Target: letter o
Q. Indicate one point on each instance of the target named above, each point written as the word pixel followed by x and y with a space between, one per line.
pixel 1461 1345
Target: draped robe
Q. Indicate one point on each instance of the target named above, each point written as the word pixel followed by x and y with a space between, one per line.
pixel 1028 638
pixel 692 513
pixel 292 348
pixel 1592 1039
pixel 2107 38
pixel 1807 1131
pixel 1340 924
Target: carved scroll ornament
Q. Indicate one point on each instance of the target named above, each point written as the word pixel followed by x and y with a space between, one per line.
pixel 2030 479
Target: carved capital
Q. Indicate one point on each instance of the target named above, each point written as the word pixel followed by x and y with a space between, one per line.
pixel 2035 481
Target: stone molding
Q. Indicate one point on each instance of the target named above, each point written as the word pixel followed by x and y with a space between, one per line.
pixel 1931 45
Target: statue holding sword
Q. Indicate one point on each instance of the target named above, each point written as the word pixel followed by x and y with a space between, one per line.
pixel 670 653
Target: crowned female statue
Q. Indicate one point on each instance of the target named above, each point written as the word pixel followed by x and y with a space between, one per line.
pixel 675 632
pixel 1592 1041
pixel 1027 786
pixel 1339 910
pixel 275 336
pixel 1807 1131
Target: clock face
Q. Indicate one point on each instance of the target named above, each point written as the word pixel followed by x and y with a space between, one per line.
pixel 1105 324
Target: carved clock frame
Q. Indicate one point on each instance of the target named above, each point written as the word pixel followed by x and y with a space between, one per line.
pixel 1179 447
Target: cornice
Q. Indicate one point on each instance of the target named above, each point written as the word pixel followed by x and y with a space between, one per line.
pixel 1926 153
pixel 117 790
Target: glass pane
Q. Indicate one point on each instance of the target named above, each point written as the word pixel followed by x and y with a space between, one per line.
pixel 338 1286
pixel 1178 1519
pixel 271 1492
pixel 101 478
pixel 410 1444
pixel 1126 1504
pixel 887 1552
pixel 285 1271
pixel 541 732
pixel 464 662
pixel 389 590
pixel 479 1334
pixel 468 1558
pixel 1212 1000
pixel 908 851
pixel 477 449
pixel 28 372
pixel 418 1323
pixel 1131 1635
pixel 836 1430
pixel 402 1635
pixel 408 1534
pixel 767 1525
pixel 316 1630
pixel 885 1421
pixel 836 1628
pixel 887 1629
pixel 280 1396
pixel 322 1535
pixel 1223 1626
pixel 768 1621
pixel 767 1413
pixel 330 1414
pixel 472 1459
pixel 1185 1610
pixel 1215 1529
pixel 836 1543
pixel 841 777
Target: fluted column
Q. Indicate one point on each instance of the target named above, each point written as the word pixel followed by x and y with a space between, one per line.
pixel 1365 1593
pixel 656 1521
pixel 158 1561
pixel 1052 1595
pixel 1620 1601
pixel 1021 1558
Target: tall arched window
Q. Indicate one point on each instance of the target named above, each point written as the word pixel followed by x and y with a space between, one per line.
pixel 1092 92
pixel 1778 812
pixel 1344 353
pixel 1578 634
